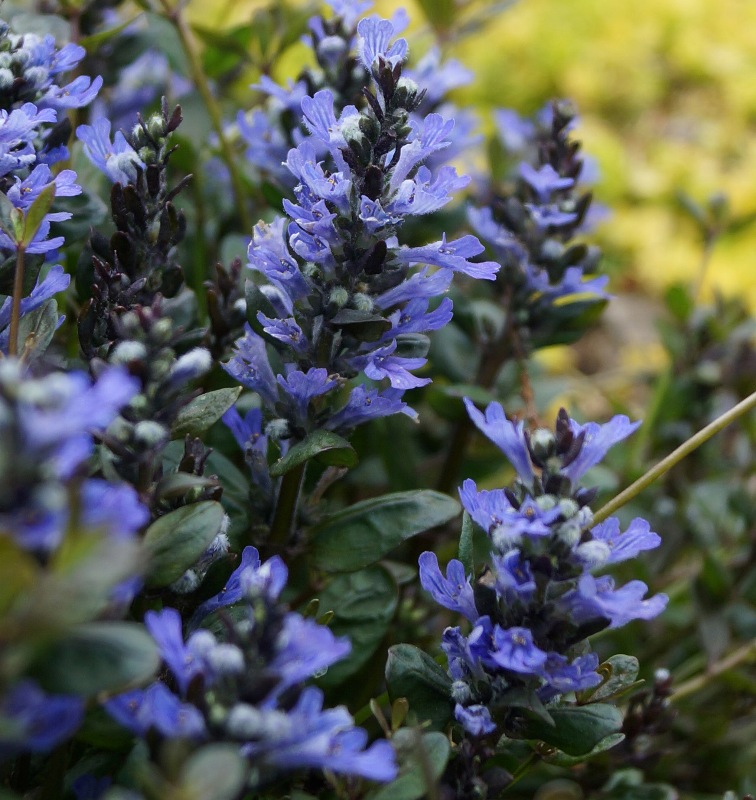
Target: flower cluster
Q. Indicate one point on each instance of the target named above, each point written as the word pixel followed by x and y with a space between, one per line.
pixel 338 297
pixel 248 688
pixel 32 138
pixel 46 427
pixel 269 133
pixel 138 263
pixel 533 608
pixel 530 225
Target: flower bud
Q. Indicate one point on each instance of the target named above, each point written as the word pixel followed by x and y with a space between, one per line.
pixel 542 444
pixel 594 553
pixel 149 433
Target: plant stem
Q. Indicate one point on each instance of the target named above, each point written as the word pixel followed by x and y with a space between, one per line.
pixel 18 290
pixel 196 69
pixel 742 654
pixel 491 360
pixel 522 770
pixel 286 507
pixel 743 407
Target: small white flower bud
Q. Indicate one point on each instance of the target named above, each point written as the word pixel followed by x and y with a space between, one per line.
pixel 127 351
pixel 594 553
pixel 226 659
pixel 149 433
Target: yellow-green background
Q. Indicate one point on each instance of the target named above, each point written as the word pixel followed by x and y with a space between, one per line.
pixel 667 95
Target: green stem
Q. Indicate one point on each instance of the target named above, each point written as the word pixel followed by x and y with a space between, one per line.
pixel 491 361
pixel 694 685
pixel 364 714
pixel 286 507
pixel 685 449
pixel 18 290
pixel 186 37
pixel 522 770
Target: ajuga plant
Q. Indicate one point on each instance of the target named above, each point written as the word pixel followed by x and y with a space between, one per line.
pixel 34 130
pixel 339 298
pixel 269 133
pixel 526 665
pixel 531 223
pixel 183 618
pixel 138 262
pixel 247 688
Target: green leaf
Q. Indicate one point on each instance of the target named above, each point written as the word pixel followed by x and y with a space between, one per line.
pixel 11 219
pixel 422 757
pixel 215 770
pixel 235 498
pixel 89 43
pixel 329 448
pixel 362 325
pixel 466 551
pixel 36 213
pixel 621 673
pixel 36 329
pixel 563 760
pixel 175 541
pixel 413 674
pixel 98 657
pixel 204 411
pixel 577 729
pixel 367 531
pixel 363 603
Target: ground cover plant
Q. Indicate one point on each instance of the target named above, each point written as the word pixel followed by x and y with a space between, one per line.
pixel 290 505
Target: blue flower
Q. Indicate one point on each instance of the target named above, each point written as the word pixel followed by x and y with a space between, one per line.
pixel 308 736
pixel 507 435
pixel 249 365
pixel 597 439
pixel 596 598
pixel 544 181
pixel 626 544
pixel 452 255
pixel 382 363
pixel 232 592
pixel 365 404
pixel 117 159
pixel 304 648
pixel 454 591
pixel 165 629
pixel 156 708
pixel 375 37
pixel 516 651
pixel 302 387
pixel 476 719
pixel 36 721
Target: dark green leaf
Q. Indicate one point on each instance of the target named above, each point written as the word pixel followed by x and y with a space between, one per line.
pixel 563 760
pixel 37 211
pixel 204 411
pixel 621 673
pixel 413 674
pixel 466 550
pixel 36 329
pixel 363 325
pixel 363 603
pixel 88 211
pixel 329 448
pixel 178 539
pixel 527 700
pixel 98 657
pixel 367 531
pixel 577 729
pixel 11 219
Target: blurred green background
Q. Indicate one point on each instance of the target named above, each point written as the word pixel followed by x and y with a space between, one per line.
pixel 667 94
